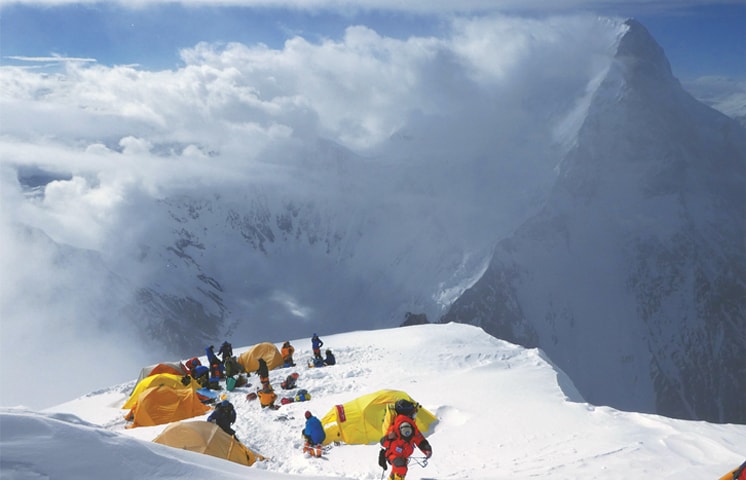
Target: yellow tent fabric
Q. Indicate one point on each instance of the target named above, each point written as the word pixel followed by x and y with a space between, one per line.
pixel 162 404
pixel 360 421
pixel 268 351
pixel 207 438
pixel 164 379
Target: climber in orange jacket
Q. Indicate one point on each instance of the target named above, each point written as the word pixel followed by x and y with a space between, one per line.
pixel 398 444
pixel 287 354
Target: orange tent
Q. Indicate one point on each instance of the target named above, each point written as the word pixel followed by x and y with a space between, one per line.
pixel 250 358
pixel 207 438
pixel 162 404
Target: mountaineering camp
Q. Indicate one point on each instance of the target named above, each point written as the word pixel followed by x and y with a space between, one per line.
pixel 201 398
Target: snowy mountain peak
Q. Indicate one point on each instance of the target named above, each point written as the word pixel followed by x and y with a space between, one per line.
pixel 636 264
pixel 642 54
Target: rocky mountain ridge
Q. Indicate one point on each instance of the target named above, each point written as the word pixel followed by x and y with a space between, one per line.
pixel 637 265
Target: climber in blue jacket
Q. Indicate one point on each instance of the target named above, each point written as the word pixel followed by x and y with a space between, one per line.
pixel 316 344
pixel 314 435
pixel 224 415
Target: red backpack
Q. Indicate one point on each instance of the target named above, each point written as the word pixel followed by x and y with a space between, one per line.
pixel 193 363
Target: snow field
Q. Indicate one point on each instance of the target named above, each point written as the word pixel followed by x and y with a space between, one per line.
pixel 504 413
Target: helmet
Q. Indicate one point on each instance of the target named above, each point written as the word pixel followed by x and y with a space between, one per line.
pixel 225 403
pixel 406 430
pixel 308 414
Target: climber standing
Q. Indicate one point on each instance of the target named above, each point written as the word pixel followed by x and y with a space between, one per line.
pixel 287 354
pixel 400 439
pixel 263 372
pixel 316 344
pixel 226 351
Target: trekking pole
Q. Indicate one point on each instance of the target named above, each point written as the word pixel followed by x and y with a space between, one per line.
pixel 421 461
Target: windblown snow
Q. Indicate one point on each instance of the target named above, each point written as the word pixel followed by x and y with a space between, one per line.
pixel 504 412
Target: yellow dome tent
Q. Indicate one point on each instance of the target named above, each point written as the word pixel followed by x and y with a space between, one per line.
pixel 162 404
pixel 361 421
pixel 207 438
pixel 250 358
pixel 164 379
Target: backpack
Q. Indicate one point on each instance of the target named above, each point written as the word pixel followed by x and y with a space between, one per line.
pixel 192 363
pixel 289 382
pixel 401 407
pixel 230 383
pixel 302 395
pixel 405 407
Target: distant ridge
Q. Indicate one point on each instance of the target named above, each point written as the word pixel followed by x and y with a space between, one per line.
pixel 633 278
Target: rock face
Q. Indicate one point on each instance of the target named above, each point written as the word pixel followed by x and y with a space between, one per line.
pixel 414 319
pixel 633 278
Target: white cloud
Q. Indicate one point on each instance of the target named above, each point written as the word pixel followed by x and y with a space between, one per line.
pixel 357 91
pixel 51 59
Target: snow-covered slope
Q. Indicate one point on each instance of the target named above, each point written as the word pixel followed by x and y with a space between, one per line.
pixel 504 412
pixel 633 278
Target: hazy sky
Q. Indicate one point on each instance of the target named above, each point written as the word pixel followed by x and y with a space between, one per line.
pixel 700 37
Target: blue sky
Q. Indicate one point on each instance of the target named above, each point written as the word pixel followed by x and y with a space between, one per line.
pixel 699 37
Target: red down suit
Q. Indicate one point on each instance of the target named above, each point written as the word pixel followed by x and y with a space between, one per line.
pixel 399 442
